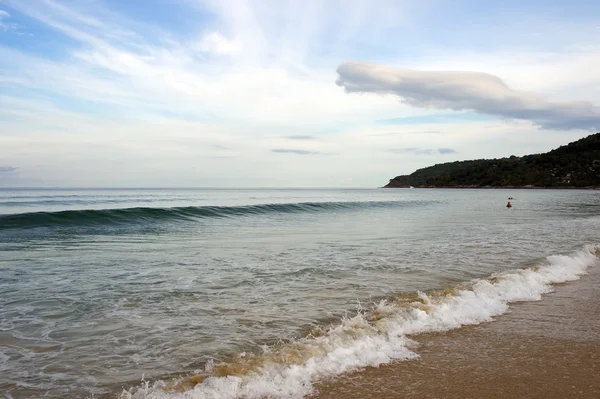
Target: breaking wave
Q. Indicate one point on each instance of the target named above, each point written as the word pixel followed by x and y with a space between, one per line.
pixel 371 338
pixel 94 217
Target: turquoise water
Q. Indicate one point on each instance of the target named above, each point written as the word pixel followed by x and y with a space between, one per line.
pixel 101 287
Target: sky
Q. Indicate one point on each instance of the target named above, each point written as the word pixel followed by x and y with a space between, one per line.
pixel 242 93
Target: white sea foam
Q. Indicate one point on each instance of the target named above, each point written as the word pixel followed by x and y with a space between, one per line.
pixel 381 335
pixel 4 358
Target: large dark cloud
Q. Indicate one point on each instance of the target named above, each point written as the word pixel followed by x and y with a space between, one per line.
pixel 6 169
pixel 467 91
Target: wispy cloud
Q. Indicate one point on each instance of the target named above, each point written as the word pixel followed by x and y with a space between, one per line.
pixel 3 15
pixel 434 119
pixel 446 151
pixel 8 169
pixel 293 151
pixel 422 151
pixel 300 137
pixel 411 150
pixel 218 44
pixel 5 25
pixel 427 132
pixel 221 147
pixel 403 133
pixel 467 91
pixel 144 69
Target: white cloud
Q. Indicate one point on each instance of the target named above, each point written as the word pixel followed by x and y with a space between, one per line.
pixel 471 91
pixel 5 26
pixel 218 44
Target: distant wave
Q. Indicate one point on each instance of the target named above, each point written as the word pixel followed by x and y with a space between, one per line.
pixel 99 217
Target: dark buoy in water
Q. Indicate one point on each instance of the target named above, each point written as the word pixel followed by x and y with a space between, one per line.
pixel 509 205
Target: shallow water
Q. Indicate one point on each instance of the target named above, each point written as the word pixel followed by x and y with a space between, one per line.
pixel 101 287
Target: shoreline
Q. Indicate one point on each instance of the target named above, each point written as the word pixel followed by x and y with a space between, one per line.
pixel 543 349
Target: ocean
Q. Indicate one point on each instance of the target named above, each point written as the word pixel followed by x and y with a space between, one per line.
pixel 239 293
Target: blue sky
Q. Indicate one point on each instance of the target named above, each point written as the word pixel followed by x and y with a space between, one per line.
pixel 286 93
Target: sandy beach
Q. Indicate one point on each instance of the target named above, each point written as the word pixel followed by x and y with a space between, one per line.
pixel 544 349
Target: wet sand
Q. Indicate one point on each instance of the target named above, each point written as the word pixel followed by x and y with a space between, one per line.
pixel 545 349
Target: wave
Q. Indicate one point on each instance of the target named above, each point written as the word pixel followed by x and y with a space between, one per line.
pixel 371 338
pixel 96 217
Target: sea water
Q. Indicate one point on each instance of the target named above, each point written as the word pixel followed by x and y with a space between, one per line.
pixel 198 293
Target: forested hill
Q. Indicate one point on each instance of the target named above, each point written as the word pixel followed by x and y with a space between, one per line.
pixel 574 165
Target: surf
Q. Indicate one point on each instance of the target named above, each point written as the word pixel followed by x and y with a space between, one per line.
pixel 382 334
